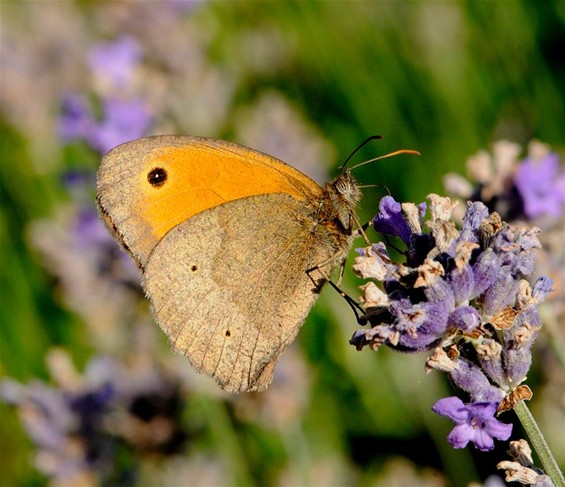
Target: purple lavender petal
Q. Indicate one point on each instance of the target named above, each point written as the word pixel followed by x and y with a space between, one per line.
pixel 482 440
pixel 475 423
pixel 542 287
pixel 498 430
pixel 451 407
pixel 461 435
pixel 389 220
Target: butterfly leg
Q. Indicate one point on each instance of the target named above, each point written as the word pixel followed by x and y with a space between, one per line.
pixel 354 305
pixel 361 228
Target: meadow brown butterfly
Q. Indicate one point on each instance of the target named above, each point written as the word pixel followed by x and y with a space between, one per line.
pixel 224 236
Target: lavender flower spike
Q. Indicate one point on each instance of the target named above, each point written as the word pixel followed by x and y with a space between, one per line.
pixel 475 423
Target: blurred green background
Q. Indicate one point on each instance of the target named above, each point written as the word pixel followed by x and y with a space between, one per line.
pixel 306 82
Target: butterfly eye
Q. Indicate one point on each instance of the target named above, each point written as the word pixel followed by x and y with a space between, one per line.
pixel 157 177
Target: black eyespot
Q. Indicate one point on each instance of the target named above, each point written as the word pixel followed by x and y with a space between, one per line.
pixel 194 268
pixel 157 177
pixel 228 333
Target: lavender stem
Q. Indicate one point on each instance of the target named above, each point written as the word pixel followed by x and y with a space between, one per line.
pixel 541 447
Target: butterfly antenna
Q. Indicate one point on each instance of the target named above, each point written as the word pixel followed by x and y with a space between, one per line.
pixel 364 143
pixel 390 154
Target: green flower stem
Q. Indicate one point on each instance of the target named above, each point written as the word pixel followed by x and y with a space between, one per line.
pixel 540 445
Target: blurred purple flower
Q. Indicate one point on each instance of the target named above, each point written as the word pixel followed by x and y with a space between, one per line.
pixel 541 184
pixel 76 120
pixel 97 244
pixel 531 189
pixel 78 179
pixel 115 60
pixel 66 423
pixel 123 120
pixel 475 422
pixel 88 422
pixel 90 232
pixel 87 229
